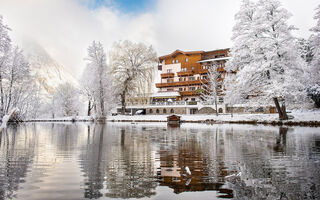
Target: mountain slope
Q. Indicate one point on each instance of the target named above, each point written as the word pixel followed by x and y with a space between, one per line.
pixel 48 72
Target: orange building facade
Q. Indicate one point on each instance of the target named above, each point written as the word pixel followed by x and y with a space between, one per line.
pixel 184 73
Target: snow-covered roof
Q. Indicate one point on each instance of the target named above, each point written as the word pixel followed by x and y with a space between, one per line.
pixel 214 59
pixel 166 94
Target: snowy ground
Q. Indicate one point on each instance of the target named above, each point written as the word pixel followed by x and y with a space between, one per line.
pixel 298 117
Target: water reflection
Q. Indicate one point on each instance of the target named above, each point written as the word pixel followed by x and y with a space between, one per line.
pixel 86 161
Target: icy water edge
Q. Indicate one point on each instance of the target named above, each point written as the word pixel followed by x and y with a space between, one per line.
pixel 148 161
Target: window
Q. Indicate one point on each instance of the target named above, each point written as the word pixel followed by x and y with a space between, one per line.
pixel 180 79
pixel 151 111
pixel 220 99
pixel 204 67
pixel 172 61
pixel 169 89
pixel 169 70
pixel 171 111
pixel 192 88
pixel 164 110
pixel 220 110
pixel 191 78
pixel 187 59
pixel 192 68
pixel 177 61
pixel 157 111
pixel 183 69
pixel 193 99
pixel 219 86
pixel 170 80
pixel 180 89
pixel 204 77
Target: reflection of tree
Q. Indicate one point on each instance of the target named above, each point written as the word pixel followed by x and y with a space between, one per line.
pixel 281 140
pixel 16 153
pixel 130 172
pixel 118 164
pixel 274 168
pixel 92 163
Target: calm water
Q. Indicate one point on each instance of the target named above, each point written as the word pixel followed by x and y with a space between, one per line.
pixel 141 161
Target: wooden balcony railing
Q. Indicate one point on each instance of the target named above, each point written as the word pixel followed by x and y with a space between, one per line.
pixel 181 83
pixel 186 73
pixel 220 69
pixel 203 71
pixel 167 75
pixel 189 93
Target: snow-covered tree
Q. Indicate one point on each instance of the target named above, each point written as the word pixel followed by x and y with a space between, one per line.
pixel 95 80
pixel 17 85
pixel 132 65
pixel 5 47
pixel 270 65
pixel 314 93
pixel 211 88
pixel 315 45
pixel 243 36
pixel 304 49
pixel 314 88
pixel 66 101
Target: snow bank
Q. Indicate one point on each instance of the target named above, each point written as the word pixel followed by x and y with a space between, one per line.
pixel 298 117
pixel 6 118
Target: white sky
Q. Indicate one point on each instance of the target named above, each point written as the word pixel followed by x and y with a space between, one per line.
pixel 65 28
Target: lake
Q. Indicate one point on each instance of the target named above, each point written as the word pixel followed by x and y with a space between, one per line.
pixel 154 161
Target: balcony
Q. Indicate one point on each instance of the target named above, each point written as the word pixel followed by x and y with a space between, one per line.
pixel 167 75
pixel 188 93
pixel 220 69
pixel 186 73
pixel 181 83
pixel 203 71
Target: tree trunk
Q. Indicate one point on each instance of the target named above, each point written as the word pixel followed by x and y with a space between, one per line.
pixel 284 112
pixel 231 111
pixel 101 98
pixel 276 102
pixel 123 103
pixel 281 110
pixel 1 97
pixel 89 108
pixel 216 106
pixel 10 91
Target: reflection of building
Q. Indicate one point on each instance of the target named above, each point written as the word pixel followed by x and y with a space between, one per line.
pixel 190 154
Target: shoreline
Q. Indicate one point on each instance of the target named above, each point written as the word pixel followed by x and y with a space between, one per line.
pixel 311 119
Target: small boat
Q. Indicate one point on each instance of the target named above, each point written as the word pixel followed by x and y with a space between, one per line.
pixel 173 119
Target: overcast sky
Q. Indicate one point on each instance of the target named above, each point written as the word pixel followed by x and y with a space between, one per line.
pixel 65 28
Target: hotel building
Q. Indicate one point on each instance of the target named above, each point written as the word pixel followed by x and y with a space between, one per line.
pixel 184 73
pixel 182 78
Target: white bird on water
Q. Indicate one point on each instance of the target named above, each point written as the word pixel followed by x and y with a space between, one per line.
pixel 188 170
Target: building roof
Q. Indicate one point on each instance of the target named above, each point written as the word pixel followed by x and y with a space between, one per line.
pixel 214 59
pixel 166 94
pixel 176 52
pixel 227 49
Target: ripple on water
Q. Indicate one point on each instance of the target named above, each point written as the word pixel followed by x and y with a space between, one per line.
pixel 76 161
